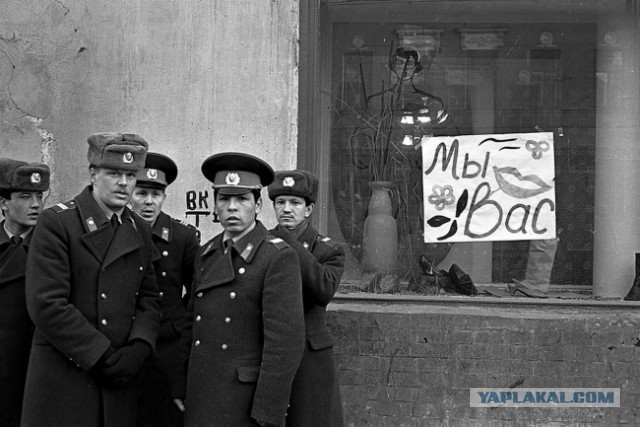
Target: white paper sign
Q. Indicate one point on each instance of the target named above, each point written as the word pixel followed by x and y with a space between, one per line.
pixel 482 188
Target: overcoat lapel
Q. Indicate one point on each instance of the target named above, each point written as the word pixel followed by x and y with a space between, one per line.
pixel 98 237
pixel 218 265
pixel 126 240
pixel 12 260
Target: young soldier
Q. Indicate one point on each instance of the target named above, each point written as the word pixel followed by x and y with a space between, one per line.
pixel 315 395
pixel 244 331
pixel 177 243
pixel 92 295
pixel 21 188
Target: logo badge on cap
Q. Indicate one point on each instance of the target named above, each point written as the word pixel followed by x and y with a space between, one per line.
pixel 232 178
pixel 36 178
pixel 288 182
pixel 128 157
pixel 152 173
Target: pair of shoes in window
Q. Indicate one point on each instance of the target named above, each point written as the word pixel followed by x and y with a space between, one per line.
pixel 527 290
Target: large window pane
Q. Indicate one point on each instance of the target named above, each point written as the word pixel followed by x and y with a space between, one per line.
pixel 482 68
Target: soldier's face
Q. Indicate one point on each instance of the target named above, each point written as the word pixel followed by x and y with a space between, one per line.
pixel 291 210
pixel 147 202
pixel 21 210
pixel 237 212
pixel 113 186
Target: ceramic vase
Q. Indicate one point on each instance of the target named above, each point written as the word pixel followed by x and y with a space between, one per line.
pixel 380 232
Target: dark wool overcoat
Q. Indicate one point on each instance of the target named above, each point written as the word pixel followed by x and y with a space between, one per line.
pixel 315 394
pixel 16 328
pixel 86 289
pixel 244 332
pixel 178 245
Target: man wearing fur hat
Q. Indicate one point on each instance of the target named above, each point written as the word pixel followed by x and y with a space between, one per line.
pixel 21 188
pixel 91 292
pixel 178 245
pixel 315 394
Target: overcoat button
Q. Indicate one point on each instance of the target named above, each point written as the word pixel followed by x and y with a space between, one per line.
pixel 161 294
pixel 165 253
pixel 232 295
pixel 198 318
pixel 227 320
pixel 104 322
pixel 141 268
pixel 103 295
pixel 197 343
pixel 199 295
pixel 163 274
pixel 224 346
pixel 241 270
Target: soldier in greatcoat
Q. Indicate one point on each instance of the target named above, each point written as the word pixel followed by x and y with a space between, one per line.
pixel 21 190
pixel 177 242
pixel 91 292
pixel 315 395
pixel 244 332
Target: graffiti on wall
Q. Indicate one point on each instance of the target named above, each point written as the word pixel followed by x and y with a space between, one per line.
pixel 489 187
pixel 197 203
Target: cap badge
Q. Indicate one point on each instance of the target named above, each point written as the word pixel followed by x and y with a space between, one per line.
pixel 232 178
pixel 35 178
pixel 127 158
pixel 152 173
pixel 288 182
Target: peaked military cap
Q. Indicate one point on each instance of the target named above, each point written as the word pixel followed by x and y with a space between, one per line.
pixel 16 175
pixel 294 183
pixel 113 150
pixel 159 171
pixel 237 173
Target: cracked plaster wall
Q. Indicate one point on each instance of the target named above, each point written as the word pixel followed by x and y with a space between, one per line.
pixel 193 78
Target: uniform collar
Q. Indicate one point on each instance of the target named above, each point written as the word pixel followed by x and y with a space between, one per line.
pixel 246 246
pixel 308 237
pixel 163 228
pixel 93 216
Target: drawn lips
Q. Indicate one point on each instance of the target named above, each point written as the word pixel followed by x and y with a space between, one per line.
pixel 516 191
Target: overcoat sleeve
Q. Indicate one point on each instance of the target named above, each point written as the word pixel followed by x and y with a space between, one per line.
pixel 48 289
pixel 321 270
pixel 283 325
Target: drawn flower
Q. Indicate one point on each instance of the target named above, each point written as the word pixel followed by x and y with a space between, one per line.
pixel 537 148
pixel 442 196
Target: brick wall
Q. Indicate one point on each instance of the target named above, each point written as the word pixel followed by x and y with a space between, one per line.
pixel 412 364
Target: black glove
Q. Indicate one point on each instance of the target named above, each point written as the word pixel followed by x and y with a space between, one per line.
pixel 284 233
pixel 121 366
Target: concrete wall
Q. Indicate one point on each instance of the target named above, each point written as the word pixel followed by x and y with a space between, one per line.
pixel 413 364
pixel 192 77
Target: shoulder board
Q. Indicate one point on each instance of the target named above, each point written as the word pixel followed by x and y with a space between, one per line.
pixel 60 207
pixel 183 222
pixel 327 241
pixel 277 242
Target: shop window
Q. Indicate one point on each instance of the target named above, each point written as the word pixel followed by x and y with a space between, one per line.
pixel 417 86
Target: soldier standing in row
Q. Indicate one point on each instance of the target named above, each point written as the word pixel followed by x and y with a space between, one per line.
pixel 315 395
pixel 177 243
pixel 244 332
pixel 91 292
pixel 21 188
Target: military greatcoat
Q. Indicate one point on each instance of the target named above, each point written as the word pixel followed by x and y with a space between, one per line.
pixel 16 328
pixel 244 332
pixel 86 289
pixel 315 394
pixel 178 246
